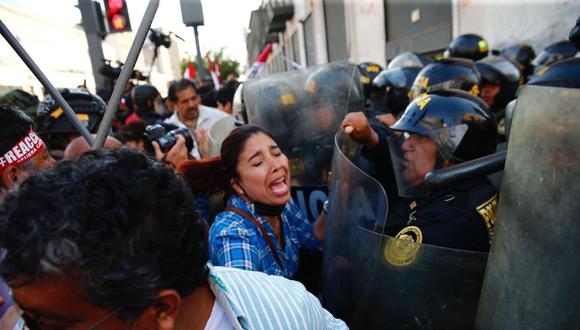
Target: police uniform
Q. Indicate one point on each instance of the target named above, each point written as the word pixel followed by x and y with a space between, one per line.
pixel 459 217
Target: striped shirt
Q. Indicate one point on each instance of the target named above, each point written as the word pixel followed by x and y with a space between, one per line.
pixel 254 300
pixel 235 241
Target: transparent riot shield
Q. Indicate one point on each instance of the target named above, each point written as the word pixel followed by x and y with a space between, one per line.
pixel 374 281
pixel 303 110
pixel 218 133
pixel 531 281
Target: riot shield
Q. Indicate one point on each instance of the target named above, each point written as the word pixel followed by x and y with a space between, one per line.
pixel 374 281
pixel 531 281
pixel 303 110
pixel 218 133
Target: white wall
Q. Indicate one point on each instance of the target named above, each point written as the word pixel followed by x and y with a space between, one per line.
pixel 536 22
pixel 60 52
pixel 365 30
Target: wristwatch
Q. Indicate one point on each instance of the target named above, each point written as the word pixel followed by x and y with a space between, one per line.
pixel 325 207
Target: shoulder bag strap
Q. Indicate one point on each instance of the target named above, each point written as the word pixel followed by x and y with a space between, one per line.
pixel 262 230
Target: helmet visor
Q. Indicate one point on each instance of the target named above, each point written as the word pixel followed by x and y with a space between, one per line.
pixel 415 154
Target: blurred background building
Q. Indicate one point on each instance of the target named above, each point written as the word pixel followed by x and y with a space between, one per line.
pixel 310 32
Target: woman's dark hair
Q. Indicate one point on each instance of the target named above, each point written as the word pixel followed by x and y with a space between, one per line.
pixel 214 174
pixel 121 225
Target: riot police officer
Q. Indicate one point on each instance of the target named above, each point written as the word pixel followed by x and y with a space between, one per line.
pixel 470 46
pixel 439 130
pixel 449 73
pixel 368 72
pixel 499 83
pixel 523 55
pixel 552 54
pixel 389 92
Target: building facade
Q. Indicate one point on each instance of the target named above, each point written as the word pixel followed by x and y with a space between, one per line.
pixel 321 31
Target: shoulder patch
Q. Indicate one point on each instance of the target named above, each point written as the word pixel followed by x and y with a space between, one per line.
pixel 401 250
pixel 487 212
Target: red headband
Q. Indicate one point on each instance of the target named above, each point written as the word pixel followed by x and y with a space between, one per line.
pixel 23 151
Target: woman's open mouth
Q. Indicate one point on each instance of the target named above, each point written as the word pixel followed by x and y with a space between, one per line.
pixel 279 186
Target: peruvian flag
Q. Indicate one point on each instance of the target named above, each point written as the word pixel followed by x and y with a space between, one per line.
pixel 214 76
pixel 218 71
pixel 260 62
pixel 189 72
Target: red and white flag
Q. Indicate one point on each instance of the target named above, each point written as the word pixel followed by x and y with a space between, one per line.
pixel 218 70
pixel 190 72
pixel 260 62
pixel 214 76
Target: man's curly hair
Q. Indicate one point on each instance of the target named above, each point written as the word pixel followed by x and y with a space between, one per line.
pixel 123 226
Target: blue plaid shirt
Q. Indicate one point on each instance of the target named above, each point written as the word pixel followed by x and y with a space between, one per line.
pixel 235 241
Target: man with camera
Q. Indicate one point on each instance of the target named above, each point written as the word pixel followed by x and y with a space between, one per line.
pixel 194 116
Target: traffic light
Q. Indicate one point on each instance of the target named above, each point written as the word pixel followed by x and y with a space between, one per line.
pixel 117 16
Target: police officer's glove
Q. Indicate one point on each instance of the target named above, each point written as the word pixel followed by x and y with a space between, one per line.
pixel 357 126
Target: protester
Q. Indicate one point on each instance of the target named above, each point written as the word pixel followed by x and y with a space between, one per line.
pixel 261 228
pixel 22 153
pixel 192 115
pixel 113 241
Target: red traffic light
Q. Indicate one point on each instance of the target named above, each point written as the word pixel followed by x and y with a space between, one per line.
pixel 119 22
pixel 117 15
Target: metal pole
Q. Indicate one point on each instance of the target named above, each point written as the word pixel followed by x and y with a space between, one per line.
pixel 126 73
pixel 199 60
pixel 68 111
pixel 96 56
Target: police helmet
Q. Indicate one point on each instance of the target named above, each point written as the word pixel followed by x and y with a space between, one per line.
pixel 554 53
pixel 368 72
pixel 449 73
pixel 330 82
pixel 408 59
pixel 500 71
pixel 438 129
pixel 523 55
pixel 461 124
pixel 88 107
pixel 142 94
pixel 469 46
pixel 391 88
pixel 273 104
pixel 565 74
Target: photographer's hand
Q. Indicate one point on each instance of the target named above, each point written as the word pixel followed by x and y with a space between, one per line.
pixel 175 155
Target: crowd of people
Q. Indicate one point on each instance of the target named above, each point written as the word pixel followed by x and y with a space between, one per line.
pixel 123 237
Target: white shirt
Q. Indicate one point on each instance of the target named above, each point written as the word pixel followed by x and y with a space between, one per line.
pixel 205 119
pixel 218 320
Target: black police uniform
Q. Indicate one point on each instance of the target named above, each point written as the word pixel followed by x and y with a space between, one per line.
pixel 458 217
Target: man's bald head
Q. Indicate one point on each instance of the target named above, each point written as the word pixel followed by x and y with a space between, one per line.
pixel 79 146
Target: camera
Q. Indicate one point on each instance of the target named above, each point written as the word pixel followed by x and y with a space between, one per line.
pixel 166 139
